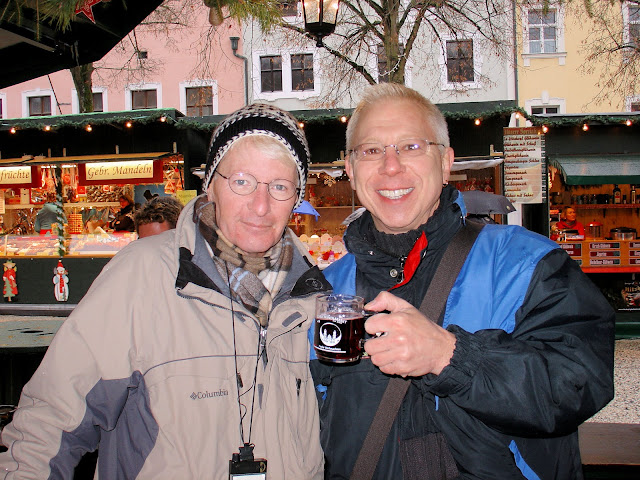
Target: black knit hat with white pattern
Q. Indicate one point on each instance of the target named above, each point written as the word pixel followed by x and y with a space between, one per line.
pixel 259 119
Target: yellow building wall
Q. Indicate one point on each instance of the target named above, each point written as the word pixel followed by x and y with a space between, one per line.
pixel 567 81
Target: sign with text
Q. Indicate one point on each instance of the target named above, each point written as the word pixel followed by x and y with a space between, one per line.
pixel 524 172
pixel 133 171
pixel 572 249
pixel 19 176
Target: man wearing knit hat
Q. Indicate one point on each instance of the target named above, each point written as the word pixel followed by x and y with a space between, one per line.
pixel 202 370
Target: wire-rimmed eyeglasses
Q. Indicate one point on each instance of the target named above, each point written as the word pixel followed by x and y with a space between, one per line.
pixel 411 147
pixel 242 183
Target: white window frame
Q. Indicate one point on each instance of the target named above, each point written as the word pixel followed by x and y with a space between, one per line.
pixel 287 87
pixel 75 103
pixel 478 61
pixel 626 22
pixel 198 83
pixel 38 92
pixel 543 102
pixel 141 86
pixel 629 100
pixel 3 105
pixel 560 52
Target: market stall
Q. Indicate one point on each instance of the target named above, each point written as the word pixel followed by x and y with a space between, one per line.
pixel 83 240
pixel 593 169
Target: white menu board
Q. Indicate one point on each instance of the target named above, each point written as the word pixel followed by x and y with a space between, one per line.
pixel 524 171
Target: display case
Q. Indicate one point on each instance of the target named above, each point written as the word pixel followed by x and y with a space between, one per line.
pixel 83 245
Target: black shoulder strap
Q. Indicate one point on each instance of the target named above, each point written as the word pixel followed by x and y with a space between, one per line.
pixel 432 306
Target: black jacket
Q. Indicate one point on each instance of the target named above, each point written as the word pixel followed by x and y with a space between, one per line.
pixel 501 389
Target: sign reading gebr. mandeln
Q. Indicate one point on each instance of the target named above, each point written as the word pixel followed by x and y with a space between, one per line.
pixel 119 170
pixel 523 164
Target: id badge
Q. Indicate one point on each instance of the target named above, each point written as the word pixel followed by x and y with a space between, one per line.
pixel 248 469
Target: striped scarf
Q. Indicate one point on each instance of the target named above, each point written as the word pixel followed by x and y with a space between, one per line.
pixel 245 273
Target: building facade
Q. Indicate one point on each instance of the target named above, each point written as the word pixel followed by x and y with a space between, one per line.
pixel 186 65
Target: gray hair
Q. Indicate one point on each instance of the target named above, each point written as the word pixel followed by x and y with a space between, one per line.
pixel 392 91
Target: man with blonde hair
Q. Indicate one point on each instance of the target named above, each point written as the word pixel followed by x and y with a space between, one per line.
pixel 521 354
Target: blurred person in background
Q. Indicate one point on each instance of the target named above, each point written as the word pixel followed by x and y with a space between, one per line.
pixel 48 215
pixel 156 216
pixel 124 217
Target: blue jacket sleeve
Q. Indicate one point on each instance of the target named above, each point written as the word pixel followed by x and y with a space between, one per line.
pixel 554 371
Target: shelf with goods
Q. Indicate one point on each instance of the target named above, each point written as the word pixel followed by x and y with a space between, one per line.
pixel 20 206
pixel 595 204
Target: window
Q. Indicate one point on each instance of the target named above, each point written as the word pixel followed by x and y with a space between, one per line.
pixel 302 71
pixel 460 61
pixel 634 25
pixel 635 106
pixel 98 105
pixel 39 106
pixel 199 101
pixel 1 107
pixel 279 74
pixel 144 99
pixel 543 110
pixel 271 73
pixel 542 31
pixel 545 104
pixel 289 9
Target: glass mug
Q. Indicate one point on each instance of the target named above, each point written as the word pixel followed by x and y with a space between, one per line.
pixel 339 328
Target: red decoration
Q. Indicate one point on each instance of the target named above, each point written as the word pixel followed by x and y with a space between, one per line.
pixel 86 8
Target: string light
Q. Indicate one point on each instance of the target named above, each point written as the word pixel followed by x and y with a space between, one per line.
pixel 301 124
pixel 628 123
pixel 47 128
pixel 88 128
pixel 545 129
pixel 13 130
pixel 343 119
pixel 163 118
pixel 517 115
pixel 128 124
pixel 585 127
pixel 477 121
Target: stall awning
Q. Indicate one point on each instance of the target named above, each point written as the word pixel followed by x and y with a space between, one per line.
pixel 598 169
pixel 475 163
pixel 122 157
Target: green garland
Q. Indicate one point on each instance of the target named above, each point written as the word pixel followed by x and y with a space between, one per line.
pixel 208 124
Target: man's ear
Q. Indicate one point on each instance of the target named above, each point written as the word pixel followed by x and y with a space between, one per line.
pixel 448 158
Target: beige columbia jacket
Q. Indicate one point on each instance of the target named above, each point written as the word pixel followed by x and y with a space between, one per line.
pixel 145 371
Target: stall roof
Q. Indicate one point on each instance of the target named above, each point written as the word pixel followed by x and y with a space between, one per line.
pixel 122 157
pixel 598 169
pixel 30 46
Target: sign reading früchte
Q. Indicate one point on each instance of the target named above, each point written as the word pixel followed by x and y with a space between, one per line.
pixel 15 175
pixel 524 170
pixel 119 170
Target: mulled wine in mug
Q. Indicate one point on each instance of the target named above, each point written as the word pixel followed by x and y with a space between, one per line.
pixel 339 328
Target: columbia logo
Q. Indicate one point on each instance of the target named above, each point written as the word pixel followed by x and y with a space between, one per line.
pixel 206 394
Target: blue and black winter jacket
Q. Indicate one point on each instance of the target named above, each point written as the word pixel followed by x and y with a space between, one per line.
pixel 533 357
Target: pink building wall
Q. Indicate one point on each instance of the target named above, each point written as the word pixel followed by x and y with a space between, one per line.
pixel 173 63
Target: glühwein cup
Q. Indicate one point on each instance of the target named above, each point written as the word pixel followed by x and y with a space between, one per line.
pixel 339 328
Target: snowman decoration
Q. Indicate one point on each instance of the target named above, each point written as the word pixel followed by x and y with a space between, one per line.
pixel 60 283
